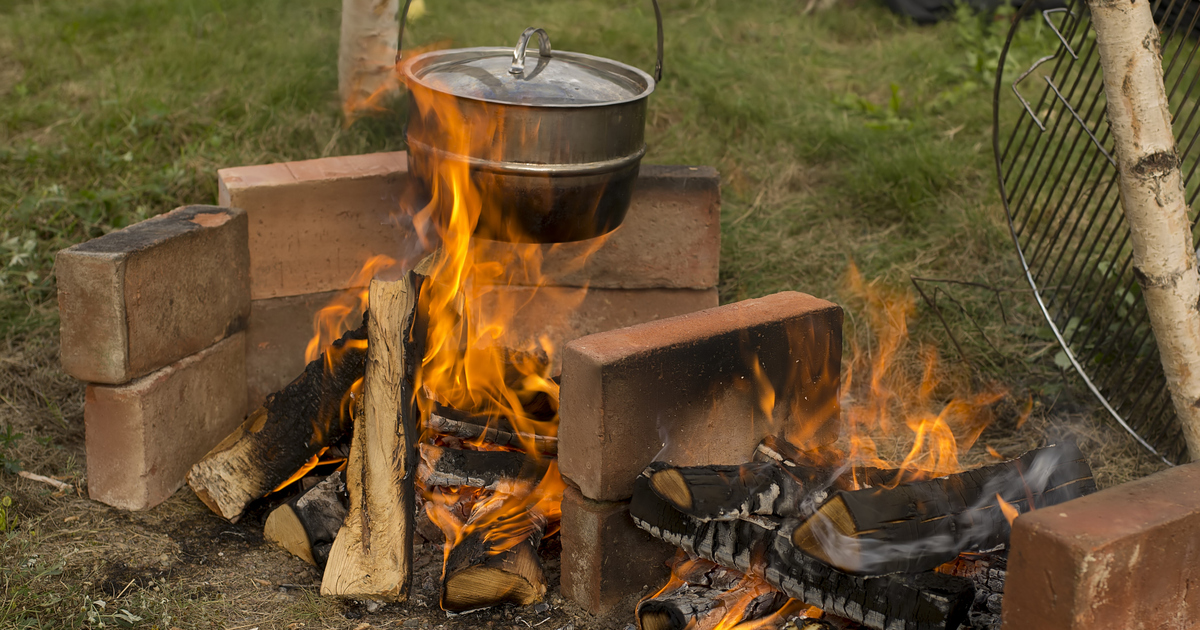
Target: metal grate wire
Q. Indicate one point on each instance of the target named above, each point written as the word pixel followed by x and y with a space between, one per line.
pixel 1058 182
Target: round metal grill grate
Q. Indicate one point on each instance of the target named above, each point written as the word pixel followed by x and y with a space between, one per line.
pixel 1058 181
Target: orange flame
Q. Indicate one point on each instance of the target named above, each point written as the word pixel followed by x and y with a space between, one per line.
pixel 731 610
pixel 1010 512
pixel 474 360
pixel 929 439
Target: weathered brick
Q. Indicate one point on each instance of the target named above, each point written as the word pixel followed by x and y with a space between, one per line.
pixel 142 437
pixel 313 224
pixel 137 299
pixel 670 239
pixel 563 314
pixel 692 389
pixel 279 328
pixel 606 560
pixel 276 338
pixel 1125 557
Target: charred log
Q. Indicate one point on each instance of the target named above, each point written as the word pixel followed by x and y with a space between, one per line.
pixel 782 481
pixel 480 573
pixel 930 601
pixel 491 470
pixel 988 572
pixel 307 524
pixel 372 554
pixel 917 526
pixel 291 427
pixel 702 596
pixel 464 429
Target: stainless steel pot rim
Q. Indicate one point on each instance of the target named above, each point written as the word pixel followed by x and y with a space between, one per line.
pixel 525 168
pixel 412 71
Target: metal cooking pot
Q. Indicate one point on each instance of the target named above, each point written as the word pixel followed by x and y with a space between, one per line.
pixel 556 141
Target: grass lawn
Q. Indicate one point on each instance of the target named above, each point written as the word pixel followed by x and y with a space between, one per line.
pixel 842 135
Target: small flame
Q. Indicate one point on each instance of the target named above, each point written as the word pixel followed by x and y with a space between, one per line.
pixel 900 409
pixel 734 603
pixel 1010 512
pixel 303 470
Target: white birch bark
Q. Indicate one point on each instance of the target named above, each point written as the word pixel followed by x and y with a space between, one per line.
pixel 367 52
pixel 1152 195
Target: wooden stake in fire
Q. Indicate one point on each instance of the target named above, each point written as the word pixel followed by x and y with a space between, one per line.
pixel 1152 196
pixel 372 555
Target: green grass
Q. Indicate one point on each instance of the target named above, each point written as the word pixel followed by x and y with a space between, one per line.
pixel 120 109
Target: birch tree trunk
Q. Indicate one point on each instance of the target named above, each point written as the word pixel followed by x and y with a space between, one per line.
pixel 367 52
pixel 1152 195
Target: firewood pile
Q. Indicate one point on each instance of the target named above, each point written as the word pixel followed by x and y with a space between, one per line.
pixel 341 433
pixel 861 544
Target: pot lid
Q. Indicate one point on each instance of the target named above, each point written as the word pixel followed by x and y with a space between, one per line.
pixel 544 78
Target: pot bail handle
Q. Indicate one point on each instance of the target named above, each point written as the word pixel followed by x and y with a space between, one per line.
pixel 518 62
pixel 544 41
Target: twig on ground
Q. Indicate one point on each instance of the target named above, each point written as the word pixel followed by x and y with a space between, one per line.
pixel 60 485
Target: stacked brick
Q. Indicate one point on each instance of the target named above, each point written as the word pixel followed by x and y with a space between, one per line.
pixel 697 389
pixel 146 303
pixel 153 318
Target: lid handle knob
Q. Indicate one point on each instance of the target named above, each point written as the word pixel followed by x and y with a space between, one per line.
pixel 518 63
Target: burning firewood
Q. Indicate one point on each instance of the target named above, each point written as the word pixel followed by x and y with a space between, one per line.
pixel 496 565
pixel 291 428
pixel 454 423
pixel 372 555
pixel 307 524
pixel 919 525
pixel 988 572
pixel 493 470
pixel 927 601
pixel 703 595
pixel 782 481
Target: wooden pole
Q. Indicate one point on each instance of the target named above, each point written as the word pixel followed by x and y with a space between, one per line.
pixel 367 51
pixel 371 557
pixel 1164 260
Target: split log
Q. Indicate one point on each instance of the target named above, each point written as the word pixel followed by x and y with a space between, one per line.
pixel 917 526
pixel 372 555
pixel 491 470
pixel 480 573
pixel 928 601
pixel 307 524
pixel 468 427
pixel 291 428
pixel 1153 196
pixel 783 481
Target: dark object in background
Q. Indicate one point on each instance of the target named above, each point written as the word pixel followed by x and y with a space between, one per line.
pixel 933 11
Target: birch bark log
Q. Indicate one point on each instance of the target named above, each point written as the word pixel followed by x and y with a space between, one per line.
pixel 1152 195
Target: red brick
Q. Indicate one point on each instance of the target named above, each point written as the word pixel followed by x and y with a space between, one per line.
pixel 142 437
pixel 276 338
pixel 670 239
pixel 564 314
pixel 138 299
pixel 1126 557
pixel 279 328
pixel 688 384
pixel 313 224
pixel 607 562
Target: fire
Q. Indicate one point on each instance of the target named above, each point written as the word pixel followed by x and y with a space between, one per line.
pixel 736 601
pixel 891 405
pixel 1010 512
pixel 473 361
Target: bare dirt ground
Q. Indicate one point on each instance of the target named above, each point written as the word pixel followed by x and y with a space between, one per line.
pixel 70 562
